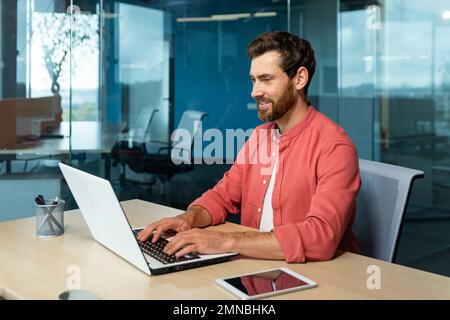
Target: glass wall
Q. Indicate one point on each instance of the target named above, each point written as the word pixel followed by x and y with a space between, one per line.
pixel 182 59
pixel 97 83
pixel 383 75
pixel 394 103
pixel 64 56
pixel 35 99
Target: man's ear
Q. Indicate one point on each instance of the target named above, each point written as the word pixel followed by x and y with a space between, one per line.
pixel 301 78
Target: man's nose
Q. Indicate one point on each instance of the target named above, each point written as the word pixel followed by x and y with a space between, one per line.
pixel 256 92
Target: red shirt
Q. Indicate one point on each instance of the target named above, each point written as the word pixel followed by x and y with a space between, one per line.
pixel 316 184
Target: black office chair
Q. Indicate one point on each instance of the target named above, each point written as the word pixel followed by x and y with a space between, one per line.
pixel 158 158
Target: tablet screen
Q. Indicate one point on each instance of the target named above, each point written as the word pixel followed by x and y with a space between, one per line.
pixel 265 282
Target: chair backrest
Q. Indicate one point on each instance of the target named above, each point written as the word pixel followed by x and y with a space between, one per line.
pixel 381 205
pixel 190 121
pixel 144 119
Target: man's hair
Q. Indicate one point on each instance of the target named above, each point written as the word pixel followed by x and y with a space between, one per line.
pixel 294 52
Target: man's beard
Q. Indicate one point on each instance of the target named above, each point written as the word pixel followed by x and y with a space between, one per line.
pixel 279 109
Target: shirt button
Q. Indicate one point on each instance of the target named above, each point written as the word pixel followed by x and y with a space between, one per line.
pixel 273 154
pixel 259 209
pixel 264 181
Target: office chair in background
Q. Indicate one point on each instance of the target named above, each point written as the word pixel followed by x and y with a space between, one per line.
pixel 155 158
pixel 381 206
pixel 130 141
pixel 144 121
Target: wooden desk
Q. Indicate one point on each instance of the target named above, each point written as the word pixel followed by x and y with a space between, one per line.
pixel 36 268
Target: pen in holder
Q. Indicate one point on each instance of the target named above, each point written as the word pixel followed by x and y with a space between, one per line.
pixel 49 217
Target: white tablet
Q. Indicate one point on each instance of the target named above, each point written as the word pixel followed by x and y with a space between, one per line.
pixel 265 283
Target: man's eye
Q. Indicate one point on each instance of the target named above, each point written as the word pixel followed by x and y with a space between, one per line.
pixel 267 79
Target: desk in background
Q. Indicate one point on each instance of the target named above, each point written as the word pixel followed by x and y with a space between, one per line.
pixel 37 268
pixel 89 141
pixel 87 137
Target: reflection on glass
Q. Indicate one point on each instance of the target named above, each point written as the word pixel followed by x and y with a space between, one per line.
pixel 56 38
pixel 395 104
pixel 383 74
pixel 144 53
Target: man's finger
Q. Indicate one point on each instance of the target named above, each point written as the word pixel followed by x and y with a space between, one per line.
pixel 186 250
pixel 187 237
pixel 176 243
pixel 143 235
pixel 160 229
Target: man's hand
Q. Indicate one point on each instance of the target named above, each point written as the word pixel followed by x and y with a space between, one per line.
pixel 189 239
pixel 199 240
pixel 177 224
pixel 249 243
pixel 194 217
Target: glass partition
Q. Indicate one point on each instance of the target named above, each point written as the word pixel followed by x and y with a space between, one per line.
pixel 102 85
pixel 394 102
pixel 382 74
pixel 35 104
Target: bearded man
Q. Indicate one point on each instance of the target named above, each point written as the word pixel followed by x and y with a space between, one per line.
pixel 301 203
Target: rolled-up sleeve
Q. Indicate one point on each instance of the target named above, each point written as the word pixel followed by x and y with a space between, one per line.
pixel 226 196
pixel 332 207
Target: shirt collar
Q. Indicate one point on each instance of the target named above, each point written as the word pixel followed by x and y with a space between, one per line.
pixel 297 129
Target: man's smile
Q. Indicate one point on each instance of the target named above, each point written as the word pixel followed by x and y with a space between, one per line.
pixel 264 105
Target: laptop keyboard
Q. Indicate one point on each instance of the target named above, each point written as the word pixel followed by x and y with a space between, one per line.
pixel 155 250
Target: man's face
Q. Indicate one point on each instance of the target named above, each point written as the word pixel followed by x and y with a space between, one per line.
pixel 272 89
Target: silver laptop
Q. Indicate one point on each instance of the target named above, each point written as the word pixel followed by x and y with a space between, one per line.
pixel 110 227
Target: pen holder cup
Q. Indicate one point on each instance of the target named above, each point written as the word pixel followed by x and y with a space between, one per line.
pixel 50 219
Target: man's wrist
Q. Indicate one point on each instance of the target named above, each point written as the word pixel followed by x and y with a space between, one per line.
pixel 232 241
pixel 188 216
pixel 197 217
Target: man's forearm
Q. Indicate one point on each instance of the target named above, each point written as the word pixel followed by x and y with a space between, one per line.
pixel 197 217
pixel 256 244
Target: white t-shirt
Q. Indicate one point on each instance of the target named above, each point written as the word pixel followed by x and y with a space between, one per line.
pixel 266 224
